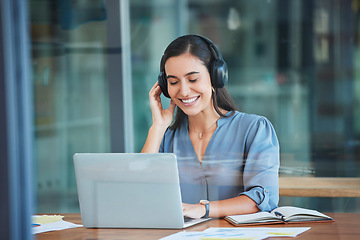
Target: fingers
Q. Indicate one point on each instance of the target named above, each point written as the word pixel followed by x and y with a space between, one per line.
pixel 191 210
pixel 155 85
pixel 160 115
pixel 155 91
pixel 154 97
pixel 156 88
pixel 184 208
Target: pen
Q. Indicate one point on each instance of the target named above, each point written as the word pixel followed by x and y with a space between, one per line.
pixel 279 215
pixel 35 225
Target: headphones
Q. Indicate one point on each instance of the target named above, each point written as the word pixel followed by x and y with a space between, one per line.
pixel 218 69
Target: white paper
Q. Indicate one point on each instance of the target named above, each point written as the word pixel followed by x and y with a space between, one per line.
pixel 54 226
pixel 268 231
pixel 215 235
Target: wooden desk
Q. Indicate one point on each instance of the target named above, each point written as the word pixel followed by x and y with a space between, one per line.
pixel 346 226
pixel 319 187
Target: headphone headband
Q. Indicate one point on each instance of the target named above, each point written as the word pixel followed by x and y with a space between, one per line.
pixel 215 50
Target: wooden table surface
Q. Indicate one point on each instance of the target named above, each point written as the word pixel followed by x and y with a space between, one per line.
pixel 346 227
pixel 319 187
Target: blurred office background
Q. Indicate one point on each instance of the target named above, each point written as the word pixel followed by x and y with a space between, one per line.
pixel 295 62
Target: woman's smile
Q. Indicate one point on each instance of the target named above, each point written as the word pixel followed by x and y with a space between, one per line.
pixel 189 101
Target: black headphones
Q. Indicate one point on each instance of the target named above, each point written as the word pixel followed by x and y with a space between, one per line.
pixel 218 69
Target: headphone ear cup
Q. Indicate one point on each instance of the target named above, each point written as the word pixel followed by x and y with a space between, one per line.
pixel 219 73
pixel 163 84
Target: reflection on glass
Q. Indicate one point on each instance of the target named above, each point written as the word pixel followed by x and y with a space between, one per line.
pixel 71 99
pixel 295 62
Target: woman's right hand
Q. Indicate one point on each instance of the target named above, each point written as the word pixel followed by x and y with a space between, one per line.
pixel 161 117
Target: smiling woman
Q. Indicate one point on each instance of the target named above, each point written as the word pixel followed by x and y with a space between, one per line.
pixel 228 160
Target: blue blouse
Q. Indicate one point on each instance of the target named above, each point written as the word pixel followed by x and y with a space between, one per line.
pixel 242 158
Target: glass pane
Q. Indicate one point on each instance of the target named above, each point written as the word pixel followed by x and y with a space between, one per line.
pixel 294 62
pixel 68 40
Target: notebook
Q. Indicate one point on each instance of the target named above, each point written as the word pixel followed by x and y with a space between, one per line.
pixel 129 190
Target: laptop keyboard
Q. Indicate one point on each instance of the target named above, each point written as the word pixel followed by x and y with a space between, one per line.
pixel 187 219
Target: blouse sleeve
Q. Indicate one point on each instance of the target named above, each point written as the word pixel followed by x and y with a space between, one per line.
pixel 166 142
pixel 261 170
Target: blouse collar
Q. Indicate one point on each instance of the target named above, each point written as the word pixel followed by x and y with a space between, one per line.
pixel 221 121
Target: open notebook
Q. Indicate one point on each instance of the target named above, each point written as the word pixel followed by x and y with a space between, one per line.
pixel 129 190
pixel 286 214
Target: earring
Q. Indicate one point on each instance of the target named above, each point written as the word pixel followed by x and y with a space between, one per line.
pixel 212 88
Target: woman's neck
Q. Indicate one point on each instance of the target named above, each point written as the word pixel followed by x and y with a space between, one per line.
pixel 203 121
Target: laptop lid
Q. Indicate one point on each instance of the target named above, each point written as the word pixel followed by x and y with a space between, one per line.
pixel 128 190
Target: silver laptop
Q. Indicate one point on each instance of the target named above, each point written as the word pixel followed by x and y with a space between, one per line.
pixel 129 190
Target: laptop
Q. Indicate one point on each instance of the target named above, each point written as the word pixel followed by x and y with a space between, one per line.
pixel 130 190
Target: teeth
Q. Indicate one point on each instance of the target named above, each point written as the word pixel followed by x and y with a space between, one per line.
pixel 190 100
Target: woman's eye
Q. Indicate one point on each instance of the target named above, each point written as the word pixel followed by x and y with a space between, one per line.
pixel 172 83
pixel 192 80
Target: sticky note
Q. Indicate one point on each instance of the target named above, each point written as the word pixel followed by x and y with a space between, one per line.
pixel 43 219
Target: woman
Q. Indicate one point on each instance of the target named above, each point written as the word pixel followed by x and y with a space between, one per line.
pixel 228 160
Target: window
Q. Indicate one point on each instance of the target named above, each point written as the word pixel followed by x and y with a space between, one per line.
pixel 294 62
pixel 71 99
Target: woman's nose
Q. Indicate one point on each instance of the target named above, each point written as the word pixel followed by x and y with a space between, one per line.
pixel 184 89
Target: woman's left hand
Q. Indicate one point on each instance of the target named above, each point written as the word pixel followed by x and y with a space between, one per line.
pixel 193 210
